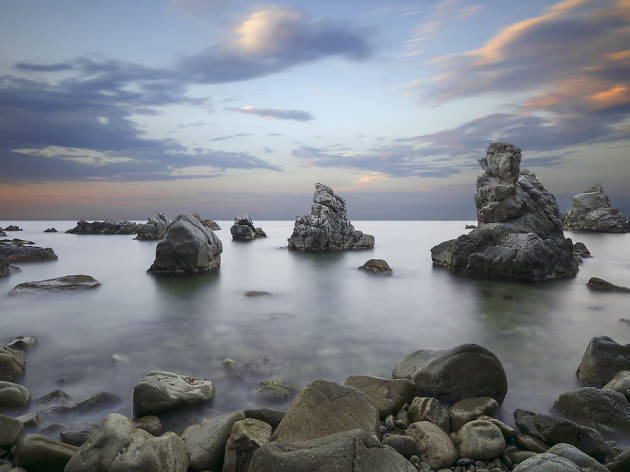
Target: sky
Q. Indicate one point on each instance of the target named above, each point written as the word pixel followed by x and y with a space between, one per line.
pixel 118 109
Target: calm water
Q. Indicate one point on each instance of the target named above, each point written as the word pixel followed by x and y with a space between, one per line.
pixel 324 319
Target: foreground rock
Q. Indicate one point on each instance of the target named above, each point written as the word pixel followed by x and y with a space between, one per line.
pixel 12 364
pixel 13 395
pixel 584 462
pixel 592 212
pixel 105 227
pixel 480 440
pixel 38 453
pixel 602 359
pixel 327 228
pixel 455 374
pixel 620 383
pixel 434 445
pixel 188 247
pixel 243 228
pixel 547 462
pixel 154 228
pixel 161 391
pixel 519 235
pixel 17 251
pixel 247 437
pixel 467 410
pixel 387 395
pixel 377 266
pixel 601 285
pixel 59 284
pixel 10 431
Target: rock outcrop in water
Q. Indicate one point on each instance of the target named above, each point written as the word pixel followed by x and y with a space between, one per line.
pixel 243 228
pixel 592 212
pixel 210 224
pixel 154 229
pixel 17 250
pixel 327 228
pixel 5 269
pixel 519 235
pixel 105 227
pixel 188 247
pixel 59 284
pixel 13 228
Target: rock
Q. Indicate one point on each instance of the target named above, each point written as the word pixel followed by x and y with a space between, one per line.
pixel 213 225
pixel 243 228
pixel 117 445
pixel 451 375
pixel 154 228
pixel 621 462
pixel 23 343
pixel 508 432
pixel 354 450
pixel 405 445
pixel 601 285
pixel 322 408
pixel 387 395
pixel 12 364
pixel 161 391
pixel 50 230
pixel 519 456
pixel 480 440
pixel 5 268
pixel 519 235
pixel 558 430
pixel 592 212
pixel 606 411
pixel 470 227
pixel 580 249
pixel 13 228
pixel 602 359
pixel 187 247
pixel 546 462
pixel 30 420
pixel 151 424
pixel 58 284
pixel 434 445
pixel 271 417
pixel 41 454
pixel 327 228
pixel 206 441
pixel 10 431
pixel 78 433
pixel 95 401
pixel 13 395
pixel 467 410
pixel 531 443
pixel 120 359
pixel 274 390
pixel 429 409
pixel 16 251
pixel 620 383
pixel 585 462
pixel 105 227
pixel 247 437
pixel 257 293
pixel 377 266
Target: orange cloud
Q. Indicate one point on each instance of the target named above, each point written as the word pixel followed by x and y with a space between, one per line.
pixel 615 95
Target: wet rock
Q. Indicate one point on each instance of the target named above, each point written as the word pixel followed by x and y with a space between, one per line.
pixel 10 430
pixel 206 441
pixel 601 285
pixel 187 247
pixel 210 224
pixel 580 249
pixel 13 228
pixel 531 443
pixel 451 375
pixel 546 462
pixel 243 228
pixel 50 230
pixel 480 440
pixel 247 437
pixel 13 395
pixel 17 251
pixel 387 395
pixel 58 284
pixel 78 433
pixel 621 462
pixel 274 390
pixel 405 445
pixel 602 359
pixel 470 226
pixel 327 228
pixel 467 410
pixel 89 403
pixel 151 424
pixel 434 445
pixel 257 293
pixel 12 364
pixel 154 229
pixel 519 235
pixel 508 432
pixel 429 409
pixel 592 211
pixel 30 420
pixel 519 456
pixel 41 454
pixel 377 266
pixel 585 462
pixel 23 343
pixel 271 417
pixel 620 383
pixel 105 227
pixel 322 408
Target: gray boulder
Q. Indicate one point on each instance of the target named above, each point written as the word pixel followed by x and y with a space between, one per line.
pixel 161 391
pixel 13 395
pixel 23 343
pixel 601 285
pixel 585 462
pixel 243 228
pixel 327 228
pixel 602 359
pixel 10 431
pixel 592 212
pixel 480 440
pixel 580 250
pixel 620 383
pixel 21 251
pixel 58 284
pixel 519 235
pixel 187 247
pixel 387 395
pixel 429 409
pixel 105 227
pixel 451 375
pixel 247 437
pixel 434 445
pixel 467 410
pixel 377 266
pixel 547 462
pixel 275 391
pixel 37 453
pixel 12 364
pixel 154 228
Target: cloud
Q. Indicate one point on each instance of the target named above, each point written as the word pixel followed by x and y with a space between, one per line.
pixel 276 113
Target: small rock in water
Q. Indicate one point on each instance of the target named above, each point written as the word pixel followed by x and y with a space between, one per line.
pixel 13 395
pixel 377 266
pixel 595 283
pixel 602 359
pixel 23 343
pixel 581 250
pixel 470 227
pixel 243 228
pixel 257 293
pixel 274 390
pixel 13 228
pixel 50 230
pixel 68 282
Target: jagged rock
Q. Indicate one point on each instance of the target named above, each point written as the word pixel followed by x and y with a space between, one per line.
pixel 58 284
pixel 327 228
pixel 602 359
pixel 387 395
pixel 50 230
pixel 161 391
pixel 41 454
pixel 17 251
pixel 12 364
pixel 519 235
pixel 434 445
pixel 580 249
pixel 105 227
pixel 377 266
pixel 13 395
pixel 480 440
pixel 154 228
pixel 601 285
pixel 188 247
pixel 620 383
pixel 274 390
pixel 243 228
pixel 451 375
pixel 429 409
pixel 10 431
pixel 13 228
pixel 585 462
pixel 247 437
pixel 210 224
pixel 546 462
pixel 592 212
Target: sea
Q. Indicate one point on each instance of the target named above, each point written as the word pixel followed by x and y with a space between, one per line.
pixel 323 318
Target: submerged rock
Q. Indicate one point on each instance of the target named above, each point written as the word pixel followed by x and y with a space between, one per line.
pixel 602 359
pixel 188 247
pixel 37 453
pixel 595 283
pixel 377 266
pixel 592 212
pixel 247 437
pixel 243 228
pixel 12 364
pixel 327 228
pixel 105 227
pixel 17 250
pixel 59 284
pixel 274 390
pixel 153 229
pixel 13 228
pixel 50 230
pixel 519 235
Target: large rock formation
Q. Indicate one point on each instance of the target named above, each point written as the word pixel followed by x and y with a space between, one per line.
pixel 327 228
pixel 17 250
pixel 188 247
pixel 243 228
pixel 592 212
pixel 154 228
pixel 519 235
pixel 105 227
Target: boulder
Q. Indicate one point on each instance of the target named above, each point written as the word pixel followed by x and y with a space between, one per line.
pixel 12 364
pixel 387 395
pixel 621 462
pixel 508 432
pixel 23 343
pixel 41 454
pixel 50 230
pixel 480 440
pixel 601 285
pixel 585 462
pixel 405 445
pixel 77 433
pixel 161 391
pixel 13 228
pixel 451 375
pixel 247 437
pixel 592 211
pixel 429 409
pixel 620 383
pixel 151 424
pixel 274 391
pixel 10 431
pixel 105 227
pixel 531 443
pixel 13 395
pixel 271 417
pixel 154 228
pixel 546 462
pixel 580 250
pixel 323 408
pixel 519 233
pixel 602 359
pixel 210 224
pixel 327 228
pixel 16 251
pixel 376 266
pixel 243 228
pixel 434 445
pixel 467 410
pixel 187 247
pixel 58 284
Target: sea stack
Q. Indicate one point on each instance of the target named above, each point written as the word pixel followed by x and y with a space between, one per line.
pixel 519 233
pixel 243 228
pixel 592 212
pixel 327 228
pixel 154 228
